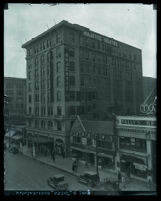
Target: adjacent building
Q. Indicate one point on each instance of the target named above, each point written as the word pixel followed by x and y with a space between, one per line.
pixel 71 71
pixel 136 155
pixel 94 139
pixel 15 90
pixel 149 83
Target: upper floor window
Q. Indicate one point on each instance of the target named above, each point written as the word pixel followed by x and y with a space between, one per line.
pixel 58 81
pixel 29 87
pixel 48 57
pixel 42 59
pixel 59 125
pixel 58 37
pixel 71 52
pixel 71 36
pixel 29 75
pixel 42 124
pixel 43 45
pixel 82 81
pixel 59 110
pixel 30 110
pixel 58 95
pixel 71 80
pixel 36 123
pixel 58 52
pixel 48 43
pixel 71 66
pixel 58 66
pixel 50 124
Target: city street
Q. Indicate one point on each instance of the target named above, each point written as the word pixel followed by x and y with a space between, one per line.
pixel 24 173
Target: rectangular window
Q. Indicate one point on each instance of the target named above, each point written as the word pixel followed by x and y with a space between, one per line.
pixel 29 75
pixel 59 126
pixel 30 110
pixel 58 52
pixel 71 52
pixel 58 96
pixel 71 66
pixel 58 67
pixel 72 95
pixel 30 98
pixel 71 37
pixel 58 81
pixel 71 80
pixel 82 81
pixel 29 87
pixel 59 110
pixel 58 37
pixel 72 110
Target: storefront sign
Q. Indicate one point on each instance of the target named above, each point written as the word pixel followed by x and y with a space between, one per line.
pixel 101 38
pixel 138 122
pixel 148 109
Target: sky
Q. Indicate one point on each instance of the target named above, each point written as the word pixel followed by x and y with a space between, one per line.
pixel 134 24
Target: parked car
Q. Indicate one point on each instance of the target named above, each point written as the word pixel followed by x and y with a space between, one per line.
pixel 57 182
pixel 89 178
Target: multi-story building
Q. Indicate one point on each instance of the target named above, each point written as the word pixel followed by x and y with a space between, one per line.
pixel 149 83
pixel 92 141
pixel 15 89
pixel 72 70
pixel 137 146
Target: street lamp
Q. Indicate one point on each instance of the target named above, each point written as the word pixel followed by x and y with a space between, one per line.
pixel 8 116
pixel 96 138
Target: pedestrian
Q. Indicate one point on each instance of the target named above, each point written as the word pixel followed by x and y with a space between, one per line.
pixel 63 154
pixel 53 157
pixel 119 176
pixel 73 167
pixel 76 167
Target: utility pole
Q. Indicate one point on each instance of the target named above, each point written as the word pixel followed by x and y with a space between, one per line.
pixel 96 138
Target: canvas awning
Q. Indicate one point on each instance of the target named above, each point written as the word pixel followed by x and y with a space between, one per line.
pixel 83 150
pixel 132 159
pixel 42 140
pixel 105 155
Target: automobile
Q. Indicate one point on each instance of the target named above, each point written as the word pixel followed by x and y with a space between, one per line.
pixel 89 178
pixel 111 184
pixel 14 150
pixel 57 182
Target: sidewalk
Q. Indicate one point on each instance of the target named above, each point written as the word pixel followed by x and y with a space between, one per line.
pixel 65 164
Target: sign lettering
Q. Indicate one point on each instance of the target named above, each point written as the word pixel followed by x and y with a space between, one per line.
pixel 148 109
pixel 101 38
